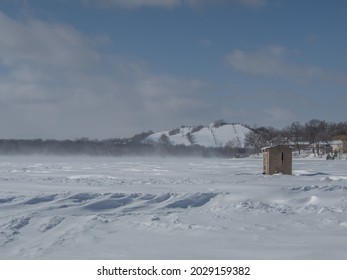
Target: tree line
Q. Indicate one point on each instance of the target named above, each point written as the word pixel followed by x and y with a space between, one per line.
pixel 133 146
pixel 296 134
pixel 312 133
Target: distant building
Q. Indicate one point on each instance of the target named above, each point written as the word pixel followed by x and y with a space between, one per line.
pixel 338 146
pixel 332 148
pixel 277 159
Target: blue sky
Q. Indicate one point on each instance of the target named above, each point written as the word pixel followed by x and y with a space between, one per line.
pixel 113 68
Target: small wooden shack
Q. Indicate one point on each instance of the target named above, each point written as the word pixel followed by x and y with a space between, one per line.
pixel 277 159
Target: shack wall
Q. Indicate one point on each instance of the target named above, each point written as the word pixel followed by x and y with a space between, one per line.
pixel 277 159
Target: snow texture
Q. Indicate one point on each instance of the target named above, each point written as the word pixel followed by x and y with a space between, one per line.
pixel 170 208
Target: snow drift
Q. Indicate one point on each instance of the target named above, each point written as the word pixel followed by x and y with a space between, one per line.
pixel 169 208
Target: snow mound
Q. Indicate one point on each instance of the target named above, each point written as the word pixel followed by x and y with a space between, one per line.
pixel 40 199
pixel 170 208
pixel 195 200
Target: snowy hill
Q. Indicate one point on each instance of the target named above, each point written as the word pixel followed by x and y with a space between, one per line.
pixel 214 135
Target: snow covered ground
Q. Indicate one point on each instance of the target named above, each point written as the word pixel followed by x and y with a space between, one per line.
pixel 170 208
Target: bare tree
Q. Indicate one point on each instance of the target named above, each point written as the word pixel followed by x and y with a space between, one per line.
pixel 294 133
pixel 316 131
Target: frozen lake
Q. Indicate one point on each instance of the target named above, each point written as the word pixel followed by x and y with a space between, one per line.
pixel 170 208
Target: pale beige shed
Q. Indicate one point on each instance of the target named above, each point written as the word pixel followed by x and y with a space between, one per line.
pixel 277 159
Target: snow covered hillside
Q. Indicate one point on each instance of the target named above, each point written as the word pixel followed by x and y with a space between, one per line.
pixel 214 135
pixel 170 208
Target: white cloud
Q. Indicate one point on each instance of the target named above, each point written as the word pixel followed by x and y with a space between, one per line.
pixel 42 43
pixel 54 83
pixel 271 61
pixel 248 3
pixel 170 95
pixel 281 115
pixel 134 4
pixel 252 3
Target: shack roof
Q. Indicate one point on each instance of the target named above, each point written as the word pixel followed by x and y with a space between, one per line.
pixel 275 146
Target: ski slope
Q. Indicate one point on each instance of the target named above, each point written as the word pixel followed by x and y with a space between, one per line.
pixel 207 136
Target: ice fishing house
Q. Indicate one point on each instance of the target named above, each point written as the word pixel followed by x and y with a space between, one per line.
pixel 277 159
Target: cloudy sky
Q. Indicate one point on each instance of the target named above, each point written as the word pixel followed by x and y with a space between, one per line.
pixel 113 68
